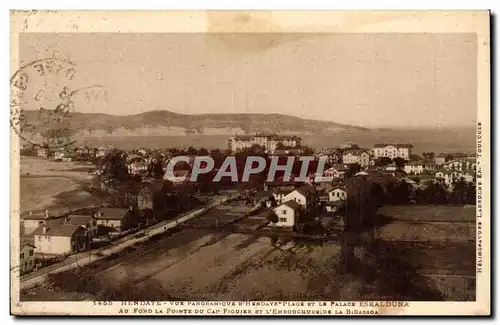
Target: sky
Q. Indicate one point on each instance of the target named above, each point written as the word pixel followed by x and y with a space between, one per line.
pixel 373 80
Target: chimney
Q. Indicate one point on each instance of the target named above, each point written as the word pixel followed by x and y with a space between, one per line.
pixel 44 229
pixel 30 212
pixel 130 208
pixel 46 214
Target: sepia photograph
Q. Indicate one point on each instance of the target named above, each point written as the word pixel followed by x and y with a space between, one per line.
pixel 246 163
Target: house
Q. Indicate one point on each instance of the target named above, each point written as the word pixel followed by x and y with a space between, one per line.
pixel 430 166
pixel 43 152
pixel 86 221
pixel 391 167
pixel 392 151
pixel 265 197
pixel 349 145
pixel 27 257
pixel 448 177
pixel 461 165
pixel 102 152
pixel 287 152
pixel 334 206
pixel 279 183
pixel 304 195
pixel 59 155
pixel 279 195
pixel 335 171
pixel 83 150
pixel 115 219
pixel 356 156
pixel 60 239
pixel 32 221
pixel 337 193
pixel 440 159
pixel 468 177
pixel 452 165
pixel 331 155
pixel 270 142
pixel 142 151
pixel 136 168
pixel 288 214
pixel 414 168
pixel 322 195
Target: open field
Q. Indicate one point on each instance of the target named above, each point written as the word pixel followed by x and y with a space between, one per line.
pixel 433 213
pixel 198 264
pixel 205 263
pixel 49 184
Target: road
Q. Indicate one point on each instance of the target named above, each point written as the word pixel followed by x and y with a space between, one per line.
pixel 86 258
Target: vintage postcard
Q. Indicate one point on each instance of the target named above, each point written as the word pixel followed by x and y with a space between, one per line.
pixel 250 163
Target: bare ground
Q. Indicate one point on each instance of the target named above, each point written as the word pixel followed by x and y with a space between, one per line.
pixel 196 264
pixel 49 184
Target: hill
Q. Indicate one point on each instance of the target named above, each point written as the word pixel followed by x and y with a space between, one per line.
pixel 169 123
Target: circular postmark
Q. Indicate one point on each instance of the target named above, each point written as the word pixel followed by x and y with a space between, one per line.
pixel 43 98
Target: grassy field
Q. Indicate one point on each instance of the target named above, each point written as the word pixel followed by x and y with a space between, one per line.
pixel 49 184
pixel 441 213
pixel 196 264
pixel 204 264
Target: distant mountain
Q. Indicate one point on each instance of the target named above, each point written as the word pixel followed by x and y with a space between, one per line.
pixel 169 123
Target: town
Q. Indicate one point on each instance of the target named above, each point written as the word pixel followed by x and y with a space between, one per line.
pixel 134 200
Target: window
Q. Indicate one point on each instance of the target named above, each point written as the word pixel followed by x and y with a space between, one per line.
pixel 282 219
pixel 48 238
pixel 39 237
pixel 283 211
pixel 22 255
pixel 31 252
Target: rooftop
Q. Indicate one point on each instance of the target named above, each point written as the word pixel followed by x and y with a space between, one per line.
pixel 306 190
pixel 397 145
pixel 64 230
pixel 113 213
pixel 292 204
pixel 78 219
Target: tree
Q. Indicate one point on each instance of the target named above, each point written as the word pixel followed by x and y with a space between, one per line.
pixel 167 187
pixel 399 162
pixel 428 156
pixel 115 166
pixel 280 146
pixel 272 217
pixel 435 193
pixel 471 193
pixel 415 157
pixel 203 152
pixel 377 193
pixel 459 192
pixel 382 161
pixel 155 168
pixel 191 151
pixel 360 205
pixel 215 152
pixel 353 169
pixel 256 148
